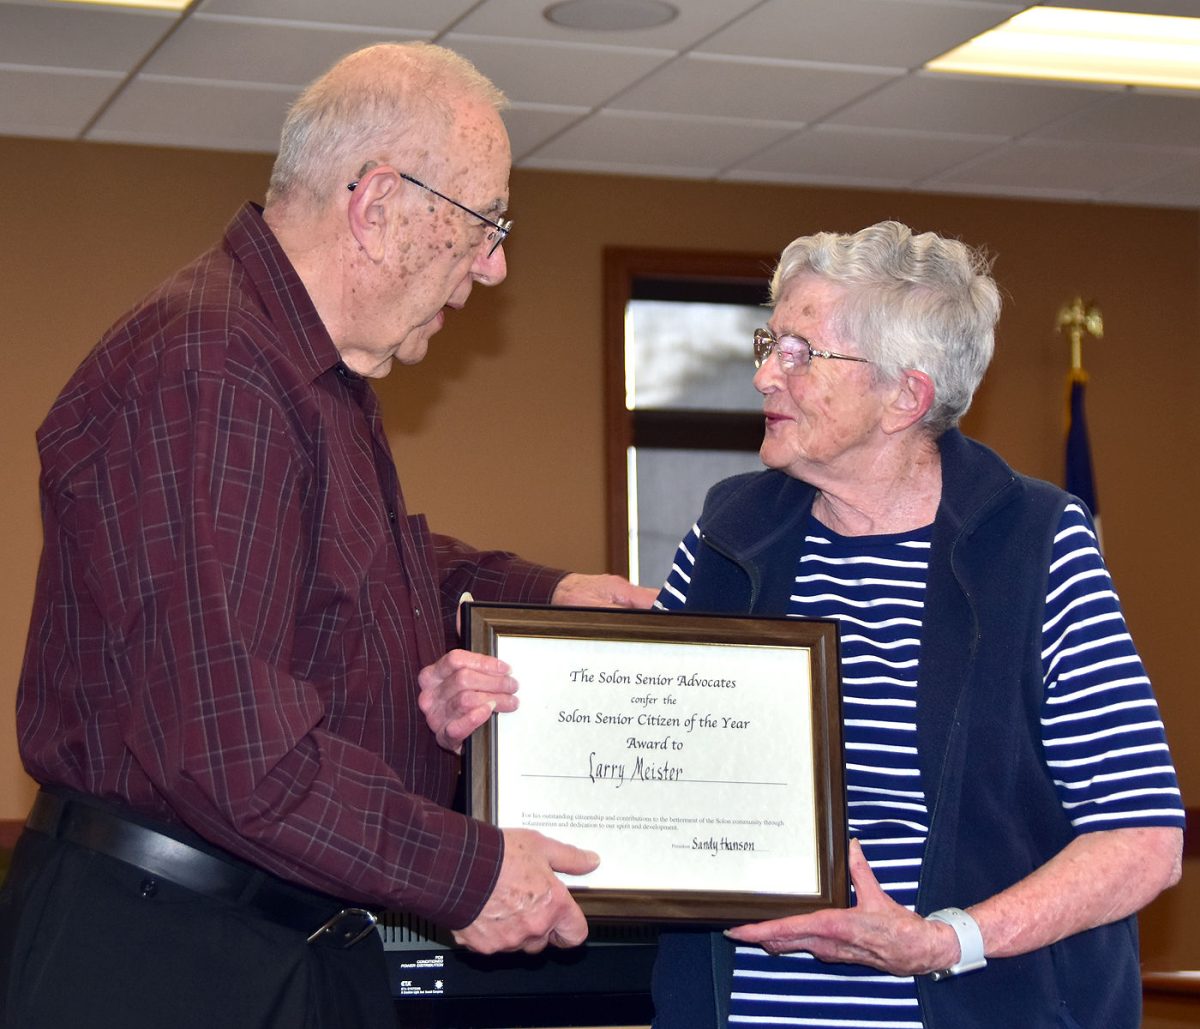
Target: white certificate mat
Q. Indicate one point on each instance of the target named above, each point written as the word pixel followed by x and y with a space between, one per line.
pixel 700 756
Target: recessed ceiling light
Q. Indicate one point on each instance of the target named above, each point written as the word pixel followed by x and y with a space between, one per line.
pixel 156 5
pixel 610 15
pixel 1084 46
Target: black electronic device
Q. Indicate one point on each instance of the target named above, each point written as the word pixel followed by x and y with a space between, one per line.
pixel 438 985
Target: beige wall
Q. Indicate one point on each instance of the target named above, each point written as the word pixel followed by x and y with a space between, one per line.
pixel 499 434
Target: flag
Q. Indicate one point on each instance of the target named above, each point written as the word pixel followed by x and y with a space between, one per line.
pixel 1079 478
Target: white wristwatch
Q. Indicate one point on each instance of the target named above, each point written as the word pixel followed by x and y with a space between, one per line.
pixel 970 942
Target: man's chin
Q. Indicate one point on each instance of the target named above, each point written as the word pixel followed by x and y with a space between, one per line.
pixel 379 371
pixel 415 347
pixel 412 353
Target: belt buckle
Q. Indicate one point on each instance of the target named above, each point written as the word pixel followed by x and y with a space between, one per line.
pixel 335 927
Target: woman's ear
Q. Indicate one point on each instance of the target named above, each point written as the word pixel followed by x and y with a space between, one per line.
pixel 911 399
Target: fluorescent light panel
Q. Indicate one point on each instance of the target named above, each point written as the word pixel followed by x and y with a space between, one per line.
pixel 154 5
pixel 1084 46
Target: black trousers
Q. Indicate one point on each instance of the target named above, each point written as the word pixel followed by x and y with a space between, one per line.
pixel 84 945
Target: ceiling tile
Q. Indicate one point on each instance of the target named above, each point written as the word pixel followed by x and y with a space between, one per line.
pixel 418 15
pixel 523 19
pixel 1038 168
pixel 216 48
pixel 95 39
pixel 1177 187
pixel 532 71
pixel 151 111
pixel 529 126
pixel 631 142
pixel 863 156
pixel 740 88
pixel 56 105
pixel 1176 8
pixel 966 104
pixel 876 33
pixel 1145 118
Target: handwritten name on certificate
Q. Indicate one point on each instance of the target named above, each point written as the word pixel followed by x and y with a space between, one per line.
pixel 685 766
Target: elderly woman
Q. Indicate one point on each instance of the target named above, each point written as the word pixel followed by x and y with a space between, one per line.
pixel 1010 795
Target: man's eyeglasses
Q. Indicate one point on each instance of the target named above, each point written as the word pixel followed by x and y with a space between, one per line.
pixel 501 227
pixel 795 352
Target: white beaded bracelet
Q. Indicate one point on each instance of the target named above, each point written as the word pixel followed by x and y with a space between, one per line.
pixel 970 942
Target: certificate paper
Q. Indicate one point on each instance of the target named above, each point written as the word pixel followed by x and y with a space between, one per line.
pixel 698 755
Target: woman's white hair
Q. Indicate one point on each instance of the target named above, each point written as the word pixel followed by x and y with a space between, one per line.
pixel 918 302
pixel 389 101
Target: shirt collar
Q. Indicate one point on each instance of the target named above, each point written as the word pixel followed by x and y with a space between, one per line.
pixel 301 332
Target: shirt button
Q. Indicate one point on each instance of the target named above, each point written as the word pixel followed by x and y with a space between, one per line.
pixel 416 612
pixel 391 514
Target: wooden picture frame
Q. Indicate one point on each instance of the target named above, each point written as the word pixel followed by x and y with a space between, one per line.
pixel 699 755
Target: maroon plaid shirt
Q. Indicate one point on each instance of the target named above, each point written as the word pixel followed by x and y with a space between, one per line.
pixel 233 604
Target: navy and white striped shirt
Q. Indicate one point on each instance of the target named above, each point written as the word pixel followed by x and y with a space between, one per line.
pixel 1105 744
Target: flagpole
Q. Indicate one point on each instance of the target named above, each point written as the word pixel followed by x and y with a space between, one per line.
pixel 1074 320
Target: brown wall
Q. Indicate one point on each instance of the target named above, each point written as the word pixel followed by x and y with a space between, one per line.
pixel 499 434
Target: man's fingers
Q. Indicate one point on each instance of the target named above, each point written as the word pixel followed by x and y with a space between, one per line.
pixel 571 931
pixel 530 908
pixel 454 661
pixel 581 590
pixel 564 857
pixel 458 729
pixel 455 692
pixel 637 596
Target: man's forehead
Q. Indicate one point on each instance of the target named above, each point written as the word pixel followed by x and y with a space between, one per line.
pixel 479 157
pixel 479 124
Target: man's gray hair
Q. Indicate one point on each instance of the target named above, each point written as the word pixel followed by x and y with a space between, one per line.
pixel 919 302
pixel 391 101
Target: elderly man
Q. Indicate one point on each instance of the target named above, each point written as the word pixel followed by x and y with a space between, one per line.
pixel 236 619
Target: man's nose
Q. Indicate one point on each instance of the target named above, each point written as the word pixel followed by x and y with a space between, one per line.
pixel 490 269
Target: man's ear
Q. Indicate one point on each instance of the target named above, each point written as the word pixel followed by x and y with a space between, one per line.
pixel 911 399
pixel 372 204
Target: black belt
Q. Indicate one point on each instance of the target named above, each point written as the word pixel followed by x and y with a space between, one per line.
pixel 321 919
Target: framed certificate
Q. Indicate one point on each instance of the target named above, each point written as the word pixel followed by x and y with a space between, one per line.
pixel 699 755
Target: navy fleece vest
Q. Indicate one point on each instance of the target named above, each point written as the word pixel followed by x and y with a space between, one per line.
pixel 994 813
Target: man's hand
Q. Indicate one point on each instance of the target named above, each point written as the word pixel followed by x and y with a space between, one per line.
pixel 578 590
pixel 530 908
pixel 877 932
pixel 460 691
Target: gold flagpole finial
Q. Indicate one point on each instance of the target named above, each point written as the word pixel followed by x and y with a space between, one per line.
pixel 1076 318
